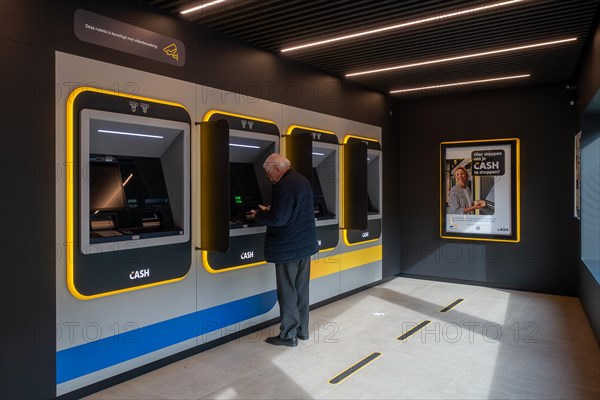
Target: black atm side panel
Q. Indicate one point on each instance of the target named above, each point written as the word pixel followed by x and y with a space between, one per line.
pixel 357 203
pixel 214 150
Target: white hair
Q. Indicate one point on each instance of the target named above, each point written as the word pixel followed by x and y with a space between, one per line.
pixel 277 159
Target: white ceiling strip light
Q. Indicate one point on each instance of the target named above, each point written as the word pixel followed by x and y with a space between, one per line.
pixel 442 60
pixel 460 83
pixel 131 134
pixel 212 3
pixel 403 25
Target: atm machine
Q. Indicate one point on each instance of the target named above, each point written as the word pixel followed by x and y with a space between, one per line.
pixel 128 193
pixel 233 150
pixel 361 190
pixel 314 154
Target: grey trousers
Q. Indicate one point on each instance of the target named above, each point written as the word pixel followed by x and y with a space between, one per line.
pixel 293 279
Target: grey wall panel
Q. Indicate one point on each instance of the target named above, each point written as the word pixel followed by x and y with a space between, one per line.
pixel 324 288
pixel 360 276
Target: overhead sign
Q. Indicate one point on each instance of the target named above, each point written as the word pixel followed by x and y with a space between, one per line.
pixel 103 31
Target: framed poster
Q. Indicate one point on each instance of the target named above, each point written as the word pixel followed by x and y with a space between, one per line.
pixel 480 193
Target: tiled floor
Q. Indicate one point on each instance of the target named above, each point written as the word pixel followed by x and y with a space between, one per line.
pixel 496 344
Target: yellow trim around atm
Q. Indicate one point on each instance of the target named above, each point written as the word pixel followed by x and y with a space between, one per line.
pixel 518 190
pixel 211 112
pixel 205 263
pixel 345 231
pixel 347 243
pixel 209 269
pixel 308 128
pixel 70 200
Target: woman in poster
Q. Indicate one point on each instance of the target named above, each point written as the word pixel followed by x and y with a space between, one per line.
pixel 461 197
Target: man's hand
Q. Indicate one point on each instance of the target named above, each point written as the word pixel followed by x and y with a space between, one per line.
pixel 265 208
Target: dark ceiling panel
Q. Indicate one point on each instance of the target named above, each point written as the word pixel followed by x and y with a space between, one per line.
pixel 276 24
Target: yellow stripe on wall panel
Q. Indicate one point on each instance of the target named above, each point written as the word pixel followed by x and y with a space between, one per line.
pixel 357 258
pixel 323 266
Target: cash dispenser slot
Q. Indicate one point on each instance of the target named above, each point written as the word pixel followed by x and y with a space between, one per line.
pixel 150 219
pixel 103 221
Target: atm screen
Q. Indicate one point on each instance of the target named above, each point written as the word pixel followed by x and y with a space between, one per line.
pixel 143 181
pixel 128 195
pixel 106 190
pixel 318 198
pixel 371 209
pixel 316 184
pixel 244 190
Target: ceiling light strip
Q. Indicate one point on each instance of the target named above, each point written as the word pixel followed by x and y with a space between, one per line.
pixel 403 25
pixel 442 60
pixel 131 134
pixel 247 146
pixel 212 3
pixel 460 83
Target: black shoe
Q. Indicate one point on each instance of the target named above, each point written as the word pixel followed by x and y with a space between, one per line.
pixel 278 341
pixel 303 337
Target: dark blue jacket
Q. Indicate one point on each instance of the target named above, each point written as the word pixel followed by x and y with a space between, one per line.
pixel 291 232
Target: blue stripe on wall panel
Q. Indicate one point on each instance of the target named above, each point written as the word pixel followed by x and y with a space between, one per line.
pixel 91 357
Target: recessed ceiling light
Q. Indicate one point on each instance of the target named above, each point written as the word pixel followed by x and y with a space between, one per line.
pixel 318 154
pixel 403 25
pixel 442 60
pixel 200 7
pixel 443 85
pixel 131 134
pixel 248 146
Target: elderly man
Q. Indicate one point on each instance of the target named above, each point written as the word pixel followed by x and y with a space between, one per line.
pixel 290 241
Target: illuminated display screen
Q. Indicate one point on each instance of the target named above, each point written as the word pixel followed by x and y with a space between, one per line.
pixel 106 189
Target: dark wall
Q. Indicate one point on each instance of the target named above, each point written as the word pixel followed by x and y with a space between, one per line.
pixel 218 61
pixel 28 248
pixel 546 258
pixel 589 75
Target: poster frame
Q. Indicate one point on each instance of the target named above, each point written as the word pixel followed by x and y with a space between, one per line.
pixel 515 202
